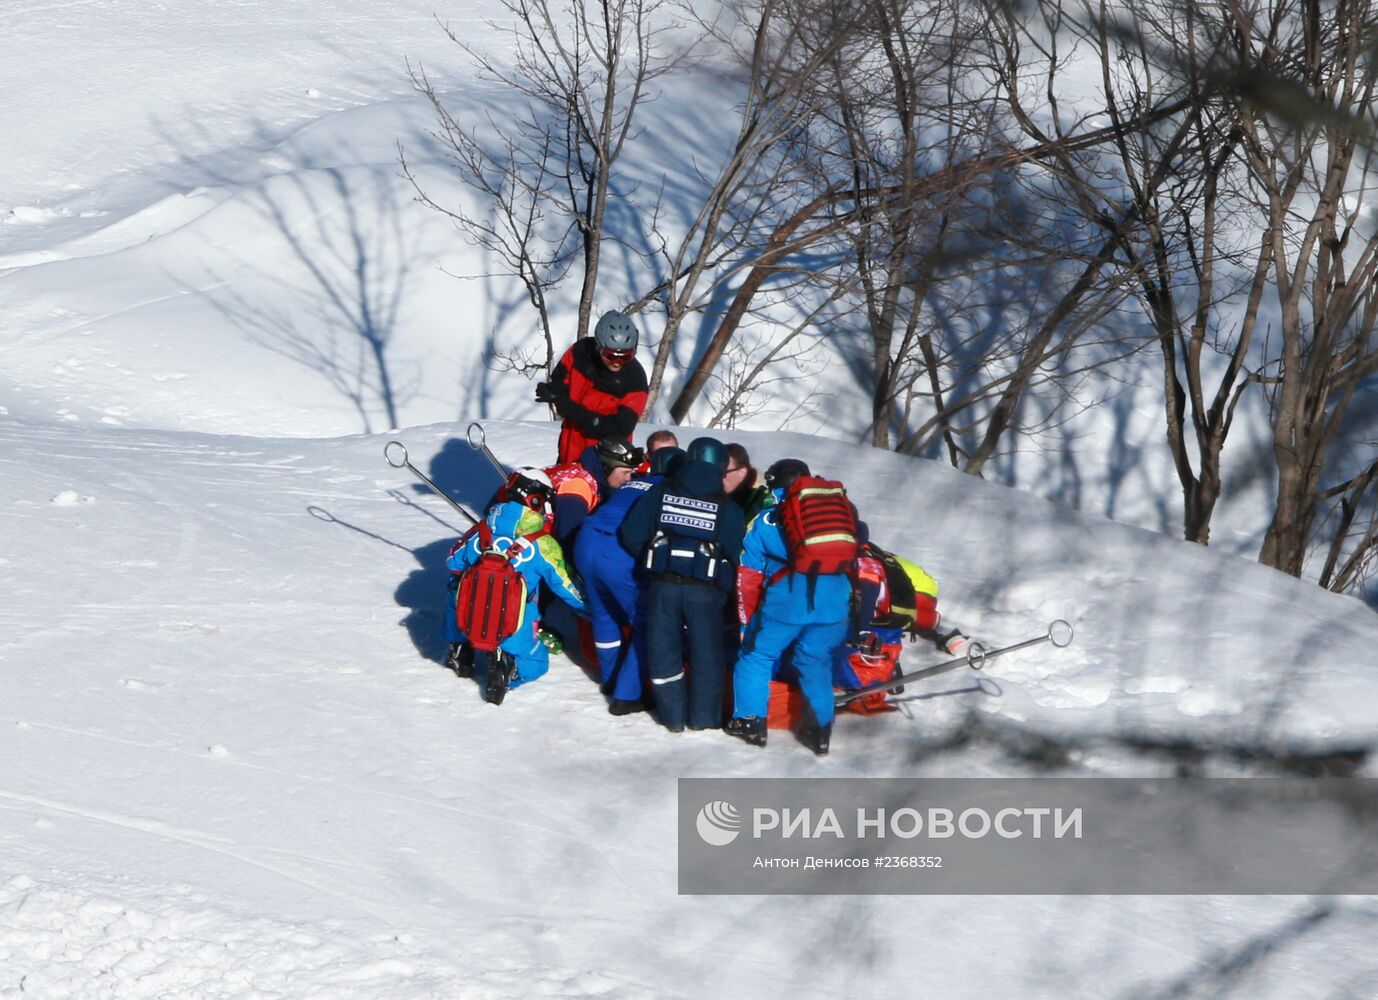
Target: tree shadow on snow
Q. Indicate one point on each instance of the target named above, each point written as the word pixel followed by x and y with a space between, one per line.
pixel 464 475
pixel 1230 969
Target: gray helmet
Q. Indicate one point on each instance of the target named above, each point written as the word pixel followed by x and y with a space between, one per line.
pixel 615 332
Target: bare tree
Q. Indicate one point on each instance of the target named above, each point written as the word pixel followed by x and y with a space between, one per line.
pixel 1310 180
pixel 582 69
pixel 1254 263
pixel 843 203
pixel 897 105
pixel 753 184
pixel 1186 252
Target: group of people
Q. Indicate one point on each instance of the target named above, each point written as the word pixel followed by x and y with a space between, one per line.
pixel 694 582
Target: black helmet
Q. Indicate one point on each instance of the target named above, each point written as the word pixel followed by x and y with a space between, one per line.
pixel 615 332
pixel 710 450
pixel 666 461
pixel 530 486
pixel 618 453
pixel 784 472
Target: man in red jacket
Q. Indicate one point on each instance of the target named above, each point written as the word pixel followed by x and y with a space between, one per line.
pixel 598 388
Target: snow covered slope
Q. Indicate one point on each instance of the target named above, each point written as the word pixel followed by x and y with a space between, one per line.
pixel 193 198
pixel 230 765
pixel 234 768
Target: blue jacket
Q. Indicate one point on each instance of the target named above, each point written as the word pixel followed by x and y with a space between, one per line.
pixel 764 553
pixel 608 518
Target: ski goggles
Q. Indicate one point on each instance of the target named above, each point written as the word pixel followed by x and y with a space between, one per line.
pixel 616 357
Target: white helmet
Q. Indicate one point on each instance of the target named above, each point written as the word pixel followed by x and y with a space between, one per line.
pixel 531 486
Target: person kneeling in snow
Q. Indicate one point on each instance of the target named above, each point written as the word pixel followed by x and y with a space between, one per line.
pixel 517 532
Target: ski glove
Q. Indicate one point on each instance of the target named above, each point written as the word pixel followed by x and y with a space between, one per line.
pixel 547 393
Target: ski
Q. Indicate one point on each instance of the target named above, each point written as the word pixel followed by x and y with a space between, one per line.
pixel 1059 634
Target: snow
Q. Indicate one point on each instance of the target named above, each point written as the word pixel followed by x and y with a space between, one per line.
pixel 232 764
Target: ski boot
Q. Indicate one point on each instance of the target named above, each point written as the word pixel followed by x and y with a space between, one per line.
pixel 460 659
pixel 626 706
pixel 817 737
pixel 501 667
pixel 751 728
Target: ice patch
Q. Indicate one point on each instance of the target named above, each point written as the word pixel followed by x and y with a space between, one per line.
pixel 134 684
pixel 1157 685
pixel 1198 703
pixel 1086 691
pixel 186 626
pixel 29 214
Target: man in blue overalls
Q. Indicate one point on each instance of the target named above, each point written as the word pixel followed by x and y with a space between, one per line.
pixel 688 534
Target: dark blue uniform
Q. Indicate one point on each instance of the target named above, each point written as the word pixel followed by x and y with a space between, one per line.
pixel 688 535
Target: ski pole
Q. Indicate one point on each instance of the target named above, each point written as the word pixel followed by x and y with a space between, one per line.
pixel 482 445
pixel 1059 634
pixel 405 463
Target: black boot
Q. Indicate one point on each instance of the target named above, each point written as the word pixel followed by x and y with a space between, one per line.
pixel 501 667
pixel 625 706
pixel 751 728
pixel 817 737
pixel 460 659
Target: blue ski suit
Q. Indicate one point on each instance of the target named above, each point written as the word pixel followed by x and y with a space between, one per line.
pixel 785 618
pixel 615 590
pixel 538 559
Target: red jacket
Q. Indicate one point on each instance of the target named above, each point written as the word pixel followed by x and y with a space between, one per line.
pixel 594 401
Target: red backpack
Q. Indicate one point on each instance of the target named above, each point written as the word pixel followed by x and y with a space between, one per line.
pixel 820 529
pixel 492 595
